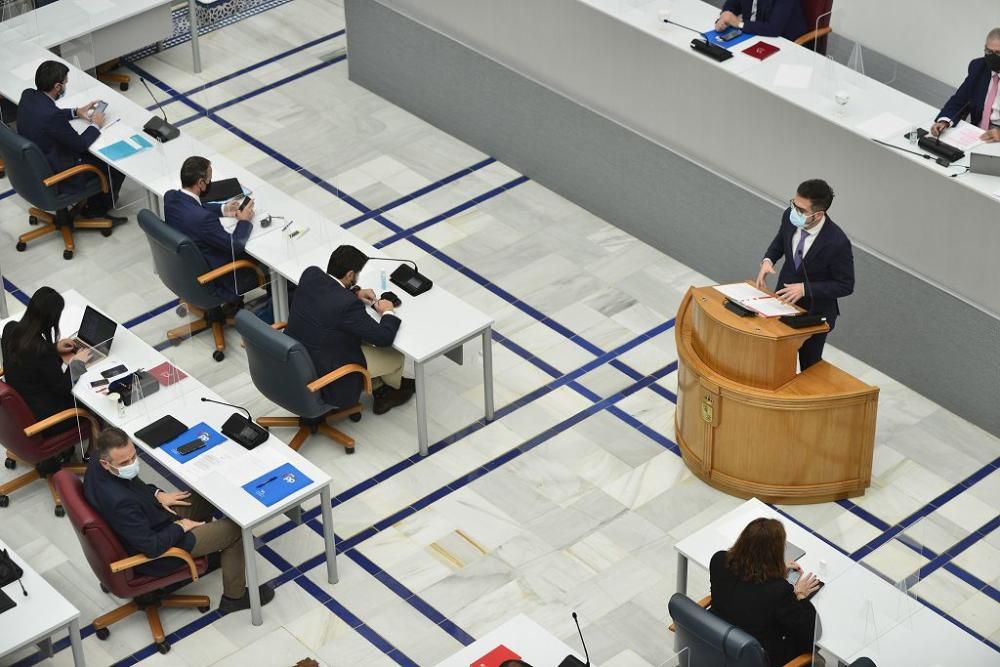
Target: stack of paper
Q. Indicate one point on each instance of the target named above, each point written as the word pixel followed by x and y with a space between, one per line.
pixel 750 297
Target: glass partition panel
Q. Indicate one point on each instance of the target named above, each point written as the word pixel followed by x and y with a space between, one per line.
pixel 681 659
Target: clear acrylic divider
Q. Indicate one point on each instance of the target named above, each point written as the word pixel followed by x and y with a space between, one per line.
pixel 18 22
pixel 681 659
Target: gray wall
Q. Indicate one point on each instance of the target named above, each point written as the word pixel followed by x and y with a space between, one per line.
pixel 925 338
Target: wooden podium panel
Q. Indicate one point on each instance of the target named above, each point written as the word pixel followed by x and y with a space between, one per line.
pixel 749 425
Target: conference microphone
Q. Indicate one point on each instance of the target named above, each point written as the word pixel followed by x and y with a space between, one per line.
pixel 240 429
pixel 941 161
pixel 409 280
pixel 703 46
pixel 572 660
pixel 159 129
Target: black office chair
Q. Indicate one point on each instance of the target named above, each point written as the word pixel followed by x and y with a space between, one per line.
pixel 712 642
pixel 33 179
pixel 283 371
pixel 186 273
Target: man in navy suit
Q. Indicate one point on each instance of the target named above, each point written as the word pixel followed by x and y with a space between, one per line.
pixel 329 318
pixel 767 18
pixel 149 520
pixel 47 126
pixel 978 96
pixel 819 261
pixel 183 210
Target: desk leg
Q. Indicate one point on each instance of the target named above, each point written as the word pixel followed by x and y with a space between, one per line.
pixel 279 296
pixel 682 573
pixel 75 643
pixel 418 372
pixel 250 558
pixel 488 372
pixel 195 50
pixel 45 647
pixel 331 549
pixel 295 514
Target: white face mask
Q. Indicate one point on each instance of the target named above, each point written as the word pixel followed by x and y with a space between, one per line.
pixel 129 471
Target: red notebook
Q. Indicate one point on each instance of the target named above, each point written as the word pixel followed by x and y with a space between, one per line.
pixel 761 50
pixel 167 374
pixel 496 657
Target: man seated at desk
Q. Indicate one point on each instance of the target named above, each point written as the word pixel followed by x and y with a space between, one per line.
pixel 328 317
pixel 977 97
pixel 149 520
pixel 47 126
pixel 767 18
pixel 183 210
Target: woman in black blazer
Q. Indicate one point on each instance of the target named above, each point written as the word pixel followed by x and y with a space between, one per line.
pixel 32 361
pixel 749 590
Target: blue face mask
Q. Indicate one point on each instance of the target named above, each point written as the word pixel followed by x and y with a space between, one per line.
pixel 129 471
pixel 796 218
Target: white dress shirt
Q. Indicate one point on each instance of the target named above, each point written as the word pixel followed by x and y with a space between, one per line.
pixel 813 233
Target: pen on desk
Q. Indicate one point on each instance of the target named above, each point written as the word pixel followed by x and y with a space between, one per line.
pixel 287 225
pixel 267 481
pixel 105 128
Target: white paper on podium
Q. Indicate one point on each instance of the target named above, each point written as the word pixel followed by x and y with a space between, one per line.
pixel 771 307
pixel 740 292
pixel 964 136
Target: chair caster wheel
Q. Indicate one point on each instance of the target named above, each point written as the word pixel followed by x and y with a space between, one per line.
pixel 203 609
pixel 181 311
pixel 60 511
pixel 123 87
pixel 175 341
pixel 349 450
pixel 218 355
pixel 163 647
pixel 4 501
pixel 10 464
pixel 21 245
pixel 355 417
pixel 102 633
pixel 104 589
pixel 67 254
pixel 32 220
pixel 105 233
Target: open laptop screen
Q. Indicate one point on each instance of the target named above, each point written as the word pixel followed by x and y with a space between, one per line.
pixel 96 330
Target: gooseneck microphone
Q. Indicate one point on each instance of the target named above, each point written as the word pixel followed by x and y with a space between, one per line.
pixel 228 405
pixel 703 46
pixel 395 259
pixel 409 280
pixel 238 429
pixel 572 660
pixel 161 130
pixel 806 319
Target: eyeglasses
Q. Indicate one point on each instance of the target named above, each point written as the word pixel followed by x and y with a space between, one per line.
pixel 990 52
pixel 801 211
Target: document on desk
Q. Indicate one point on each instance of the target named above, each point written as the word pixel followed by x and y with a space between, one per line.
pixel 964 136
pixel 214 461
pixel 885 125
pixel 740 292
pixel 125 147
pixel 251 465
pixel 793 76
pixel 750 297
pixel 772 307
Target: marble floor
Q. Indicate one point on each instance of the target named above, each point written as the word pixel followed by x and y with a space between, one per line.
pixel 573 498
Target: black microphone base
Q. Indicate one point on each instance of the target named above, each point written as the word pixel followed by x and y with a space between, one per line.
pixel 713 51
pixel 572 661
pixel 161 130
pixel 802 321
pixel 410 280
pixel 734 307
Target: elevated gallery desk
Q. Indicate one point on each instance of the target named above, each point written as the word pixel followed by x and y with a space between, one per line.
pixel 748 425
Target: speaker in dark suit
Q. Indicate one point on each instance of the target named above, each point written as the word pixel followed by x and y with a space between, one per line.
pixel 819 261
pixel 47 126
pixel 767 18
pixel 970 100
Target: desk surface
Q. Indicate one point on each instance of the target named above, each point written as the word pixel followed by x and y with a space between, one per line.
pixel 36 616
pixel 67 20
pixel 860 612
pixel 521 635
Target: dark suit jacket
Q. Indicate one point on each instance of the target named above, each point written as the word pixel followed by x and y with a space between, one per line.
pixel 775 18
pixel 46 125
pixel 41 381
pixel 331 322
pixel 829 266
pixel 970 96
pixel 139 521
pixel 769 611
pixel 201 223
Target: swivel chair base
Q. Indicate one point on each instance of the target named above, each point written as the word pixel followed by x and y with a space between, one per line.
pixel 31 476
pixel 151 605
pixel 309 426
pixel 63 222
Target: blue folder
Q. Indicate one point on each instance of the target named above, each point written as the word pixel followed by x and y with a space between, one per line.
pixel 713 38
pixel 201 430
pixel 122 149
pixel 277 485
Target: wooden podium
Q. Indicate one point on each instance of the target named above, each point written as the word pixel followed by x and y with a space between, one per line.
pixel 749 425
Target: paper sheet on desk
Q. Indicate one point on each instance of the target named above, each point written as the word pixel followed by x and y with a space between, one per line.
pixel 771 307
pixel 884 125
pixel 793 76
pixel 215 461
pixel 740 292
pixel 964 136
pixel 251 465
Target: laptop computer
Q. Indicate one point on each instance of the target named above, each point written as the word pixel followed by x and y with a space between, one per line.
pixel 793 552
pixel 96 333
pixel 983 163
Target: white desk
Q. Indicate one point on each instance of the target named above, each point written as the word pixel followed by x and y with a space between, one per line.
pixel 860 613
pixel 521 635
pixel 37 616
pixel 218 474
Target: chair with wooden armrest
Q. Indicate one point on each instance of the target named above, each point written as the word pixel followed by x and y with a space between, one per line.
pixel 283 371
pixel 116 569
pixel 185 271
pixel 25 441
pixel 33 179
pixel 817 16
pixel 106 73
pixel 712 642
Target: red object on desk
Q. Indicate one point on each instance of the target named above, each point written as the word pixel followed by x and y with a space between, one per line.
pixel 167 374
pixel 761 50
pixel 496 657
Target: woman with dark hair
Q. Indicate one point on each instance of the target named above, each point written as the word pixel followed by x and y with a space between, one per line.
pixel 749 590
pixel 32 359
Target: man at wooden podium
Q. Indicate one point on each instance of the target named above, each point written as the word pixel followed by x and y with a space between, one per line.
pixel 819 261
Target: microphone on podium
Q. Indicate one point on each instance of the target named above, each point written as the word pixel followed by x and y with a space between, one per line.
pixel 572 660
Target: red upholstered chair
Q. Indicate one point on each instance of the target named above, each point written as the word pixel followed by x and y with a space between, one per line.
pixel 114 567
pixel 812 10
pixel 19 433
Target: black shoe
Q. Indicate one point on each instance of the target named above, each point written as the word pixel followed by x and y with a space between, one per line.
pixel 229 605
pixel 392 398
